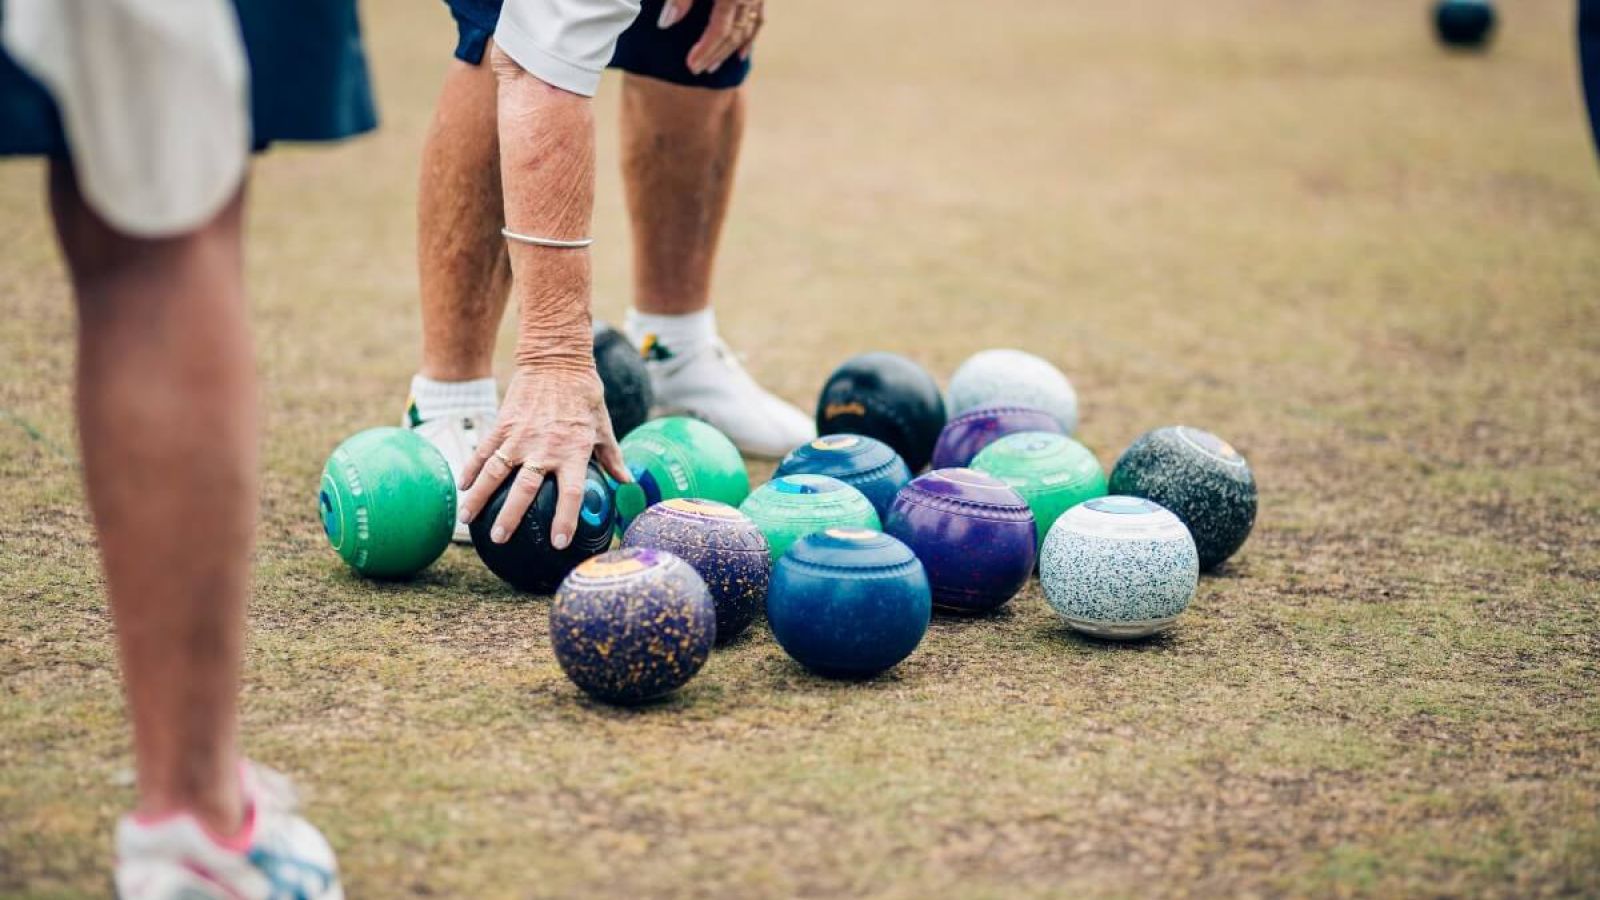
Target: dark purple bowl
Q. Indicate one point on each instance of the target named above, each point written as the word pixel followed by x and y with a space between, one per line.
pixel 967 434
pixel 974 536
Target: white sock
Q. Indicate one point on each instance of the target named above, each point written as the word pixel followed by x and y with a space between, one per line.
pixel 663 337
pixel 431 399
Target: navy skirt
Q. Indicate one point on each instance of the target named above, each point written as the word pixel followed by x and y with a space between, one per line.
pixel 643 49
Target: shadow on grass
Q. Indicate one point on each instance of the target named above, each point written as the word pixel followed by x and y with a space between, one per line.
pixel 432 585
pixel 951 622
pixel 741 640
pixel 1227 570
pixel 1059 633
pixel 696 695
pixel 451 582
pixel 777 673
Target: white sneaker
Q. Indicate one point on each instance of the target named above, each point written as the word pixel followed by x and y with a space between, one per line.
pixel 713 386
pixel 278 855
pixel 457 438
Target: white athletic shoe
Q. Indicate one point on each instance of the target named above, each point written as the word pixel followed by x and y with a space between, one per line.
pixel 279 856
pixel 712 385
pixel 457 438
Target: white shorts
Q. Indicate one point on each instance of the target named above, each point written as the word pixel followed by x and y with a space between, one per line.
pixel 154 98
pixel 564 43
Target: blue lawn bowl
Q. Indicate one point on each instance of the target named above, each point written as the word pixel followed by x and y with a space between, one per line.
pixel 849 602
pixel 866 464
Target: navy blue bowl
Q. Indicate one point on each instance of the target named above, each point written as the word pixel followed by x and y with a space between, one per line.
pixel 849 602
pixel 866 464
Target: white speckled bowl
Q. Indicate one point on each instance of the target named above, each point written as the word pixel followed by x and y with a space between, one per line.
pixel 1013 378
pixel 1119 567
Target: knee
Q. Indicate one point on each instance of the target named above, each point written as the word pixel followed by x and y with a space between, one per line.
pixel 98 254
pixel 117 278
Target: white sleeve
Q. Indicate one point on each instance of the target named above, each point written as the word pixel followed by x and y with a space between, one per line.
pixel 564 43
pixel 154 98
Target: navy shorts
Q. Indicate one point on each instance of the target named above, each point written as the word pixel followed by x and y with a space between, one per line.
pixel 643 49
pixel 308 80
pixel 1589 55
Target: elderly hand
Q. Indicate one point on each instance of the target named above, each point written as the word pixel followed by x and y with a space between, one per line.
pixel 552 421
pixel 733 27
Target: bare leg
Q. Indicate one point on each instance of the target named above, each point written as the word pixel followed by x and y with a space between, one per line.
pixel 465 273
pixel 680 146
pixel 679 149
pixel 163 343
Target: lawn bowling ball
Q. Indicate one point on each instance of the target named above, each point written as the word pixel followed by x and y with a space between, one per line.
pixel 1052 472
pixel 722 544
pixel 680 457
pixel 848 602
pixel 1014 378
pixel 527 561
pixel 632 625
pixel 967 434
pixel 790 507
pixel 626 381
pixel 868 465
pixel 888 397
pixel 1464 24
pixel 1119 567
pixel 973 534
pixel 388 503
pixel 1200 478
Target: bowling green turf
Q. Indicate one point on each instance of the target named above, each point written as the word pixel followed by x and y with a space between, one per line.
pixel 1371 265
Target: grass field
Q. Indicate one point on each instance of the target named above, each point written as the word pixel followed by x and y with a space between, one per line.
pixel 1372 266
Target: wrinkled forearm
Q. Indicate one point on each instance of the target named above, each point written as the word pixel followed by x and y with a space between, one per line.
pixel 547 169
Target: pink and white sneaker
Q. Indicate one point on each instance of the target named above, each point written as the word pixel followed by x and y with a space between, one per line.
pixel 276 856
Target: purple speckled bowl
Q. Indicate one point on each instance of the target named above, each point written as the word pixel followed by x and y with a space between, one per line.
pixel 970 432
pixel 722 544
pixel 973 534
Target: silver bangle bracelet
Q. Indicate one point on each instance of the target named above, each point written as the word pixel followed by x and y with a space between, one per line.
pixel 545 242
